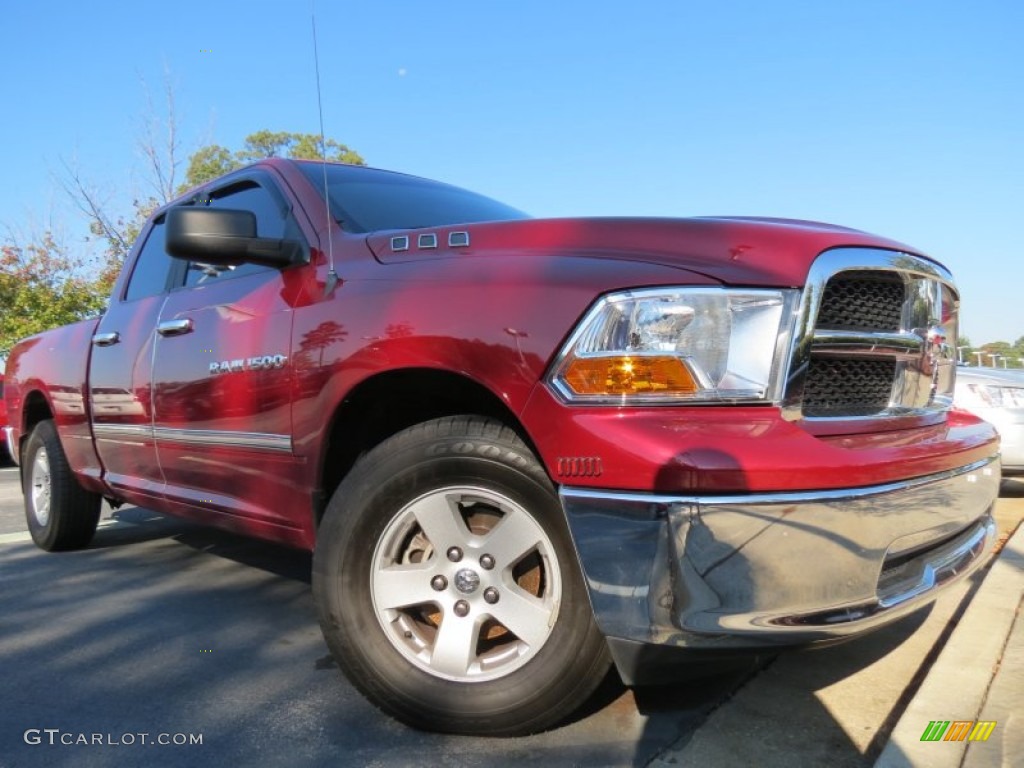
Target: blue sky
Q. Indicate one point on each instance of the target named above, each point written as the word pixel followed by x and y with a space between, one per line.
pixel 901 118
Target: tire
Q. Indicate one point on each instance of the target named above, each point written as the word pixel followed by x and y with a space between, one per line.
pixel 61 515
pixel 447 586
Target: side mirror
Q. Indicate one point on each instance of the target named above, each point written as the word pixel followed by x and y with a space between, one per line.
pixel 225 238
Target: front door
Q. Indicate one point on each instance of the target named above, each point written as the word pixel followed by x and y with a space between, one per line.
pixel 222 380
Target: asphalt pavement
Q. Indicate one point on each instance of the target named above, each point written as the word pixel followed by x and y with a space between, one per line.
pixel 162 631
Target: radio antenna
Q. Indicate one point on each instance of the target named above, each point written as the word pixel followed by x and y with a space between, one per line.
pixel 332 275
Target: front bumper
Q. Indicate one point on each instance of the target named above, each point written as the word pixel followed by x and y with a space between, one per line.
pixel 719 573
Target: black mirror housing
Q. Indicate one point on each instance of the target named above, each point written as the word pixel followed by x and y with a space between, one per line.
pixel 225 237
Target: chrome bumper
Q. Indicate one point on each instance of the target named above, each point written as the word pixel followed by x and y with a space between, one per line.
pixel 9 439
pixel 755 571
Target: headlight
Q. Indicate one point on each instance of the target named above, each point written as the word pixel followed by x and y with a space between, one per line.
pixel 994 396
pixel 671 345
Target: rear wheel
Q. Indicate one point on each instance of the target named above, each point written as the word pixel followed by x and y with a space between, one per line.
pixel 447 586
pixel 60 513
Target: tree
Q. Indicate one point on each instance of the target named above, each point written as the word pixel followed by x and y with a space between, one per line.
pixel 212 161
pixel 42 285
pixel 993 353
pixel 159 144
pixel 117 231
pixel 209 163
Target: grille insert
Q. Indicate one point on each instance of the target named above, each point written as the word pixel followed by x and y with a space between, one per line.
pixel 862 300
pixel 853 387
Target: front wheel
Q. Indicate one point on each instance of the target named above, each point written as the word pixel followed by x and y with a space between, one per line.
pixel 447 587
pixel 60 513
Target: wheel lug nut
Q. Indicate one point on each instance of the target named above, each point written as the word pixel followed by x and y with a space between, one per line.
pixel 491 595
pixel 486 562
pixel 439 582
pixel 461 608
pixel 454 554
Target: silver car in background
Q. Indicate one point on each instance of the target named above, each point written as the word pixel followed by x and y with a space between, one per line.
pixel 997 396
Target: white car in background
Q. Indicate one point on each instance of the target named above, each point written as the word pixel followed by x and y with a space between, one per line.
pixel 997 396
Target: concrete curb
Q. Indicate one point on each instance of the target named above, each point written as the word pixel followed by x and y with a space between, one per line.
pixel 967 681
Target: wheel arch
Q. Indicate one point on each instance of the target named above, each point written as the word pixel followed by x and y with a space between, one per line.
pixel 35 407
pixel 389 402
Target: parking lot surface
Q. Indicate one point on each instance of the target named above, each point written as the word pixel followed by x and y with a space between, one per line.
pixel 162 631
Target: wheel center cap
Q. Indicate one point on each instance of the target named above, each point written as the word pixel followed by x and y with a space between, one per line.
pixel 467 581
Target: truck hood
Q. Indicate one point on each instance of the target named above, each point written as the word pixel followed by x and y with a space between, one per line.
pixel 733 250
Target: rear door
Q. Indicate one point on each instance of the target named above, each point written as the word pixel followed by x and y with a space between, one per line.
pixel 119 374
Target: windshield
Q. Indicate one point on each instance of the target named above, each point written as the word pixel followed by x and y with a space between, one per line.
pixel 369 200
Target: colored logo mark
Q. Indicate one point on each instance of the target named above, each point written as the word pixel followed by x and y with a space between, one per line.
pixel 958 730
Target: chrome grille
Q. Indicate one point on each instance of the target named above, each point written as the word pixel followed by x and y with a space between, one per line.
pixel 875 339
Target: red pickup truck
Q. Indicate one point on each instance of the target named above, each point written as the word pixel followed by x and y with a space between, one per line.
pixel 521 450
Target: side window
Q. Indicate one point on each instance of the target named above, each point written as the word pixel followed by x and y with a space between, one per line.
pixel 149 276
pixel 269 223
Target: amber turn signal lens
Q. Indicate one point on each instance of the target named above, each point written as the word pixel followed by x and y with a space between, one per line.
pixel 625 375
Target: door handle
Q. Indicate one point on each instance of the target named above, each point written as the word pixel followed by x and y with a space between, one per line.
pixel 175 327
pixel 106 339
